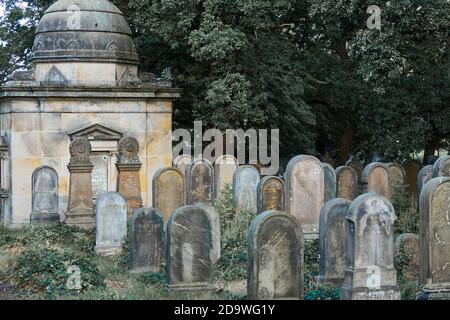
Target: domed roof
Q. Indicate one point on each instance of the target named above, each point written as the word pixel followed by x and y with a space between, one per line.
pixel 84 30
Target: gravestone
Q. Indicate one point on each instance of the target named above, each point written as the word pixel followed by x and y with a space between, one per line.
pixel 45 204
pixel 80 208
pixel 270 194
pixel 215 230
pixel 434 241
pixel 333 241
pixel 182 162
pixel 304 193
pixel 406 256
pixel 412 169
pixel 111 223
pixel 375 179
pixel 188 250
pixel 425 175
pixel 245 184
pixel 224 168
pixel 330 182
pixel 356 165
pixel 370 272
pixel 146 241
pixel 275 257
pixel 168 191
pixel 128 167
pixel 441 167
pixel 397 178
pixel 346 183
pixel 200 182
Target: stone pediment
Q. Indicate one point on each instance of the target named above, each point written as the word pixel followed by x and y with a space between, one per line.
pixel 96 132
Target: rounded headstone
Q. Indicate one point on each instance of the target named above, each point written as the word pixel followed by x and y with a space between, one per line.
pixel 270 194
pixel 346 183
pixel 376 179
pixel 245 184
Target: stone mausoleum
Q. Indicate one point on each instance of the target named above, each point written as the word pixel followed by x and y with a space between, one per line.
pixel 83 81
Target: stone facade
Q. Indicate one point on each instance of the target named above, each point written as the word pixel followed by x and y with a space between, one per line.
pixel 91 87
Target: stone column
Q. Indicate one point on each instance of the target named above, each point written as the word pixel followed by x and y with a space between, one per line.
pixel 4 179
pixel 80 209
pixel 128 180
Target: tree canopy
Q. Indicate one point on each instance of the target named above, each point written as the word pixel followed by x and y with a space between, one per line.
pixel 311 68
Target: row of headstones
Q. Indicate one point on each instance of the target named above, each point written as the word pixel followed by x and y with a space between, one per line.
pixel 80 209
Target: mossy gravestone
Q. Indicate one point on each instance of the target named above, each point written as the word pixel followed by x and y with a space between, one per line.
pixel 406 249
pixel 168 191
pixel 370 272
pixel 189 250
pixel 346 183
pixel 245 184
pixel 270 193
pixel 434 231
pixel 333 241
pixel 375 179
pixel 111 223
pixel 200 182
pixel 275 257
pixel 397 178
pixel 330 182
pixel 304 192
pixel 146 241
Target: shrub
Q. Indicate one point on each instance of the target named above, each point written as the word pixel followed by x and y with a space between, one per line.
pixel 407 217
pixel 44 270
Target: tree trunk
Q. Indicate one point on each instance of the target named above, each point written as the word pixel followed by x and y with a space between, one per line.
pixel 430 148
pixel 346 145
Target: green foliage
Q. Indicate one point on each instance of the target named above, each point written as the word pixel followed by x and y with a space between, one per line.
pixel 45 270
pixel 232 264
pixel 407 217
pixel 153 278
pixel 311 262
pixel 323 293
pixel 408 290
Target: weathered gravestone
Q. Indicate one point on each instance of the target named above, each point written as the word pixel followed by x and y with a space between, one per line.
pixel 111 223
pixel 304 193
pixel 397 178
pixel 375 179
pixel 330 182
pixel 275 257
pixel 200 182
pixel 370 272
pixel 245 184
pixel 215 230
pixel 333 241
pixel 168 191
pixel 224 168
pixel 406 256
pixel 346 183
pixel 412 169
pixel 188 250
pixel 45 207
pixel 146 241
pixel 182 162
pixel 425 175
pixel 356 165
pixel 441 167
pixel 80 208
pixel 128 180
pixel 270 192
pixel 434 241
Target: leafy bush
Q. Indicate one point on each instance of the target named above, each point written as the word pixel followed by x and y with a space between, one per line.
pixel 323 293
pixel 232 264
pixel 153 278
pixel 45 270
pixel 407 217
pixel 311 262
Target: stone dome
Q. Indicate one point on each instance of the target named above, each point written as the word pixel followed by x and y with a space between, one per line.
pixel 84 30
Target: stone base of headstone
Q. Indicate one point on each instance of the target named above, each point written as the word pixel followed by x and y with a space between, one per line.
pixel 44 218
pixel 108 250
pixel 364 293
pixel 329 281
pixel 310 236
pixel 81 216
pixel 194 287
pixel 434 295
